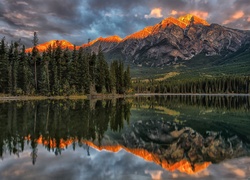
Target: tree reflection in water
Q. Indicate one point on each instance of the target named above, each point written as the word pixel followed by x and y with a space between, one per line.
pixel 58 124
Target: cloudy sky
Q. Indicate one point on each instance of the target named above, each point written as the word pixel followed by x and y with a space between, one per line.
pixel 106 165
pixel 78 20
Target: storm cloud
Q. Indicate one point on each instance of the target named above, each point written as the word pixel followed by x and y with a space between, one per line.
pixel 76 20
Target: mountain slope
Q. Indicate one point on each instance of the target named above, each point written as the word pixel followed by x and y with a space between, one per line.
pixel 168 42
pixel 173 39
pixel 53 43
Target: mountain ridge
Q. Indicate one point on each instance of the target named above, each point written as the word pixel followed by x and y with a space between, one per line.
pixel 170 40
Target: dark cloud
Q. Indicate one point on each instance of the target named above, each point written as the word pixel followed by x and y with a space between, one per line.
pixel 106 165
pixel 79 20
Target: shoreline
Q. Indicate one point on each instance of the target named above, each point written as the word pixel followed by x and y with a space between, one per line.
pixel 107 96
pixel 30 98
pixel 190 94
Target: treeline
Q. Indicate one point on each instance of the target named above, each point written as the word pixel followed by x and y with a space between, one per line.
pixel 227 84
pixel 59 71
pixel 221 103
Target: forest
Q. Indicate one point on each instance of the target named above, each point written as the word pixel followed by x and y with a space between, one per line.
pixel 212 85
pixel 59 71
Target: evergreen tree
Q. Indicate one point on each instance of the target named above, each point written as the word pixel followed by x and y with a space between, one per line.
pixel 44 84
pixel 100 71
pixel 58 59
pixel 113 77
pixel 65 67
pixel 92 72
pixel 127 79
pixel 35 54
pixel 3 67
pixel 120 78
pixel 10 66
pixel 15 62
pixel 25 74
pixel 73 70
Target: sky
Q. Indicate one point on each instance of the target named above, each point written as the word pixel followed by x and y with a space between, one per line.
pixel 79 20
pixel 106 165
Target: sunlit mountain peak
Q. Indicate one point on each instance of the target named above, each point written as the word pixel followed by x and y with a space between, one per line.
pixel 188 18
pixel 140 34
pixel 114 39
pixel 53 43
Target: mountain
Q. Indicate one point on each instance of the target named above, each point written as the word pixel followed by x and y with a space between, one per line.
pixel 107 43
pixel 179 39
pixel 169 41
pixel 53 43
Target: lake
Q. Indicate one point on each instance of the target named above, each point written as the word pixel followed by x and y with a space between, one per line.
pixel 153 137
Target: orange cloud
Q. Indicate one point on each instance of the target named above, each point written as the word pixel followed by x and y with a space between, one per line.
pixel 248 19
pixel 201 14
pixel 237 15
pixel 174 12
pixel 155 13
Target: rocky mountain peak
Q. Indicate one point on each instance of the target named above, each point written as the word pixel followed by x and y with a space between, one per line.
pixel 190 18
pixel 53 43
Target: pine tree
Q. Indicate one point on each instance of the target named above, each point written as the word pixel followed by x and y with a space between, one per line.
pixel 66 59
pixel 10 66
pixel 100 68
pixel 44 85
pixel 73 70
pixel 34 57
pixel 113 77
pixel 3 67
pixel 92 72
pixel 15 62
pixel 120 78
pixel 58 59
pixel 25 74
pixel 85 74
pixel 127 79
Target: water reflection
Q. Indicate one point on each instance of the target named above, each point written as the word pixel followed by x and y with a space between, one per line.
pixel 177 133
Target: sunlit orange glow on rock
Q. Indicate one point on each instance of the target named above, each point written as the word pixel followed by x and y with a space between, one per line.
pixel 187 19
pixel 182 22
pixel 183 165
pixel 140 34
pixel 53 43
pixel 114 39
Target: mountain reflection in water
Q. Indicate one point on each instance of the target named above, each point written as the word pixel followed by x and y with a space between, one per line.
pixel 177 133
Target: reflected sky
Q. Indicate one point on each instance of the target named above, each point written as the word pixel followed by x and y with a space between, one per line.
pixel 156 134
pixel 106 165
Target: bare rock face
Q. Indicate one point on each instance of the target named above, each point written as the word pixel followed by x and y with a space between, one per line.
pixel 173 142
pixel 168 41
pixel 174 43
pixel 174 39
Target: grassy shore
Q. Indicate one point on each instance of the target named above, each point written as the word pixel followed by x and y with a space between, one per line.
pixel 27 98
pixel 6 97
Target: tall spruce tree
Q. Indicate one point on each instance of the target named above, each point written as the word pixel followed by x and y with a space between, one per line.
pixel 35 57
pixel 100 71
pixel 25 74
pixel 10 66
pixel 3 67
pixel 15 63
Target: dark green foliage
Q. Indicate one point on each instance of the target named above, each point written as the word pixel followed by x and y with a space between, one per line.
pixel 228 84
pixel 23 122
pixel 58 71
pixel 3 67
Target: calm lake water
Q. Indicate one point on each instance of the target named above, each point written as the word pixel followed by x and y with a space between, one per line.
pixel 159 137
